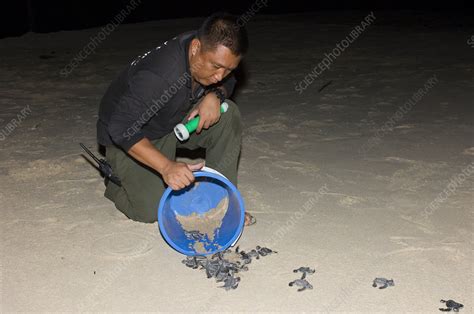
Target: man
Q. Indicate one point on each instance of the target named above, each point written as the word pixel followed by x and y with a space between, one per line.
pixel 187 76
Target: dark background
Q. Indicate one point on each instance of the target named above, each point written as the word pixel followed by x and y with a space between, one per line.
pixel 20 16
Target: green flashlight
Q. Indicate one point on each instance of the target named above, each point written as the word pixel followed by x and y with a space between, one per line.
pixel 182 131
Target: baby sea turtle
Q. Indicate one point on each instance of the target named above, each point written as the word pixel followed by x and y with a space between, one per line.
pixel 218 255
pixel 231 283
pixel 383 282
pixel 194 235
pixel 194 262
pixel 243 267
pixel 224 265
pixel 253 253
pixel 220 268
pixel 246 258
pixel 222 276
pixel 228 267
pixel 264 251
pixel 212 268
pixel 304 270
pixel 303 283
pixel 451 305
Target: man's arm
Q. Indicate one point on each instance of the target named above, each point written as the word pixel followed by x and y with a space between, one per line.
pixel 132 112
pixel 209 108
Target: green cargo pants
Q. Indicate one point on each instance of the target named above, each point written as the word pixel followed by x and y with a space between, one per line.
pixel 142 187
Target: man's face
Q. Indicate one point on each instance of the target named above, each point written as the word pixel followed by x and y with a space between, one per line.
pixel 211 66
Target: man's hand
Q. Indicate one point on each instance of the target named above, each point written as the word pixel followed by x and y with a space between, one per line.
pixel 176 174
pixel 179 175
pixel 209 111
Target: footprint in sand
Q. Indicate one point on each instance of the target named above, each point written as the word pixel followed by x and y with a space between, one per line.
pixel 123 244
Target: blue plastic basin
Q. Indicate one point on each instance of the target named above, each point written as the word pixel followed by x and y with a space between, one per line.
pixel 203 195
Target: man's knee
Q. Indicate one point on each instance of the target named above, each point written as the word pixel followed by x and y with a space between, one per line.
pixel 144 203
pixel 138 205
pixel 148 217
pixel 145 212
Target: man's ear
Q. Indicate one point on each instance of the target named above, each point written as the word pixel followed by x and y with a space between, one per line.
pixel 195 46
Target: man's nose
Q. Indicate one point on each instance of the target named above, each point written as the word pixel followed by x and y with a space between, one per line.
pixel 220 74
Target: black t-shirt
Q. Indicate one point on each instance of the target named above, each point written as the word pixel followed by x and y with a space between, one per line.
pixel 151 95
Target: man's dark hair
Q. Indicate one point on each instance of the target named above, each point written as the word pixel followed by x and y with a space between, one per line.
pixel 223 29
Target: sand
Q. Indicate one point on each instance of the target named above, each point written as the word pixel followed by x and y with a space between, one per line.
pixel 320 200
pixel 199 247
pixel 206 224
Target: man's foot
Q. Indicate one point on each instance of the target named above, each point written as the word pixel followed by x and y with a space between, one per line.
pixel 249 220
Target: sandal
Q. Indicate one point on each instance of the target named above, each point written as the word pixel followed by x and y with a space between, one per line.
pixel 249 220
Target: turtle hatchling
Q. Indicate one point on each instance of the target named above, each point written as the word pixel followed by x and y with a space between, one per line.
pixel 224 265
pixel 383 282
pixel 264 251
pixel 303 283
pixel 253 253
pixel 231 283
pixel 194 235
pixel 451 305
pixel 194 262
pixel 304 270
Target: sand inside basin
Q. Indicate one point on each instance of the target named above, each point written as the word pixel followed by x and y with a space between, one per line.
pixel 206 223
